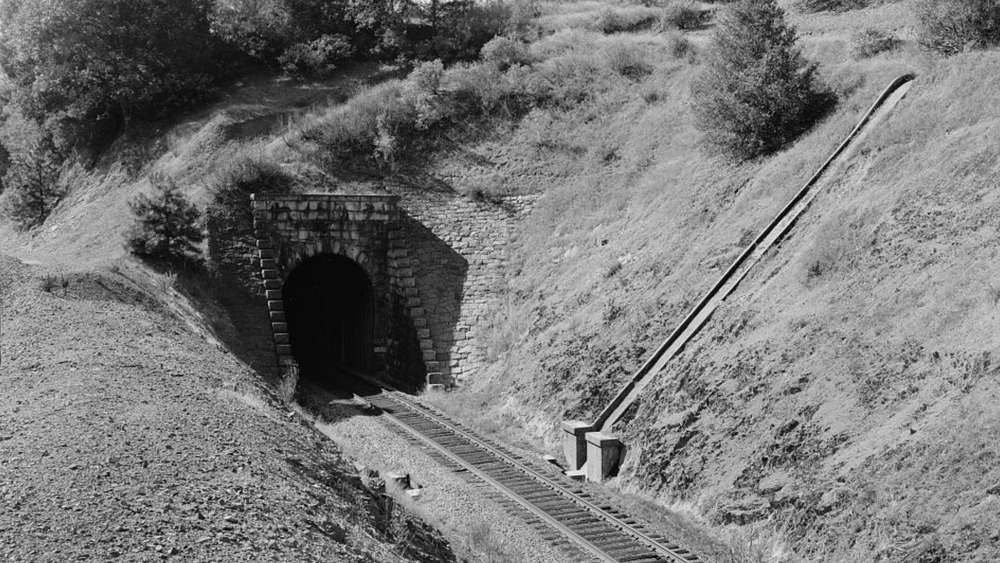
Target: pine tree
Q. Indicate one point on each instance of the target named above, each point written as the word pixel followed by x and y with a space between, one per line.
pixel 32 183
pixel 166 227
pixel 756 92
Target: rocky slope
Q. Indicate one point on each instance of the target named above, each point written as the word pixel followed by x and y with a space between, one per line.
pixel 127 433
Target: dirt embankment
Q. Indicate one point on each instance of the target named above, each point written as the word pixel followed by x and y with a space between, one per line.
pixel 127 435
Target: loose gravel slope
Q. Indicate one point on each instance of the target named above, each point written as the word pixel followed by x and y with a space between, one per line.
pixel 126 435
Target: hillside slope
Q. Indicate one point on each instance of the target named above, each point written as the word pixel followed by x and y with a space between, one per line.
pixel 845 394
pixel 128 434
pixel 847 389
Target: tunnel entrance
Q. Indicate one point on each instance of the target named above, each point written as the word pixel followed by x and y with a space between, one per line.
pixel 330 313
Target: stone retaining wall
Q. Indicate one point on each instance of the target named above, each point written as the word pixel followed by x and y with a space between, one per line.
pixel 459 249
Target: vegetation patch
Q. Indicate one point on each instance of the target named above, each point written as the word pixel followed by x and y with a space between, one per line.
pixel 756 93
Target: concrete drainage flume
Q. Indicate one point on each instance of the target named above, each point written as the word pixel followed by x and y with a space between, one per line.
pixel 591 448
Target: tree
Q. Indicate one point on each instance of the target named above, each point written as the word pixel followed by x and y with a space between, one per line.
pixel 756 92
pixel 951 26
pixel 166 227
pixel 74 64
pixel 32 183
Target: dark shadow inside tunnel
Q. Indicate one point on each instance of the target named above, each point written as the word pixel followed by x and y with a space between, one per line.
pixel 330 313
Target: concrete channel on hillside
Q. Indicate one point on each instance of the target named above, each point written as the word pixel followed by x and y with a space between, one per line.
pixel 592 447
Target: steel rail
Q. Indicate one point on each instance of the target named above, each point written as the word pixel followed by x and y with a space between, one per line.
pixel 635 531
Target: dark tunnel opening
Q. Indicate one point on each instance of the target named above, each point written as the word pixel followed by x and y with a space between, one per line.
pixel 330 313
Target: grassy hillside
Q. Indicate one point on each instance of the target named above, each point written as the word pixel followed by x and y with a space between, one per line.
pixel 844 394
pixel 841 400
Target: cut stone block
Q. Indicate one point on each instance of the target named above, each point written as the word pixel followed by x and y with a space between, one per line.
pixel 603 455
pixel 281 338
pixel 272 284
pixel 435 377
pixel 284 350
pixel 269 274
pixel 276 305
pixel 268 264
pixel 575 443
pixel 577 474
pixel 273 294
pixel 435 388
pixel 277 316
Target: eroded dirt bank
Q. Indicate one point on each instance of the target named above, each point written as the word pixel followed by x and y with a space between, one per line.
pixel 126 435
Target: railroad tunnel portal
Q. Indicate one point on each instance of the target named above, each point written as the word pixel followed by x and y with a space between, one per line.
pixel 329 311
pixel 339 287
pixel 411 287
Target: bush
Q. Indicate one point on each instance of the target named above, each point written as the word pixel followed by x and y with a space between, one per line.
pixel 32 183
pixel 952 26
pixel 505 52
pixel 626 59
pixel 166 226
pixel 681 14
pixel 350 134
pixel 756 92
pixel 679 46
pixel 461 29
pixel 485 90
pixel 316 57
pixel 612 20
pixel 231 189
pixel 259 28
pixel 814 6
pixel 869 42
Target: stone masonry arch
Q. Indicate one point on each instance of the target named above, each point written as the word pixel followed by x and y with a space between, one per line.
pixel 292 230
pixel 435 260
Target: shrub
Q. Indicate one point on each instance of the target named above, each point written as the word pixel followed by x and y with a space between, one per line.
pixel 869 42
pixel 289 382
pixel 679 46
pixel 32 183
pixel 626 59
pixel 349 135
pixel 756 92
pixel 612 20
pixel 232 187
pixel 316 57
pixel 461 28
pixel 422 89
pixel 485 90
pixel 951 26
pixel 813 6
pixel 259 28
pixel 505 52
pixel 681 14
pixel 166 226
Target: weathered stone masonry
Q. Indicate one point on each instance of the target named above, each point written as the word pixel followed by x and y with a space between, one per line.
pixel 434 263
pixel 475 236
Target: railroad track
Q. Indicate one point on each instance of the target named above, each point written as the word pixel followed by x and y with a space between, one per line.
pixel 550 499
